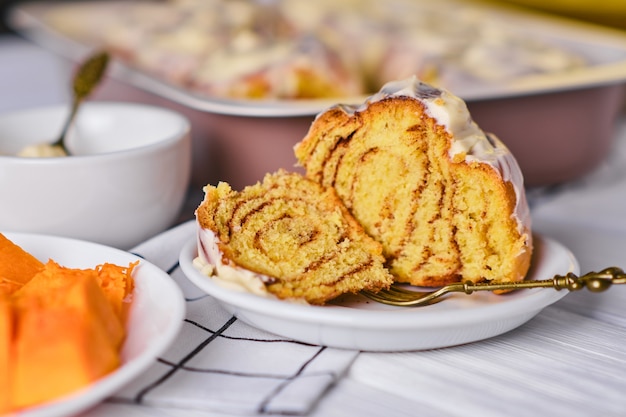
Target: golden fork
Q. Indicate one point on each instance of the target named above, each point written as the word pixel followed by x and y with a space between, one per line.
pixel 396 295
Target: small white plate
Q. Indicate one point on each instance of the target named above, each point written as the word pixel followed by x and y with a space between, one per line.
pixel 156 315
pixel 355 322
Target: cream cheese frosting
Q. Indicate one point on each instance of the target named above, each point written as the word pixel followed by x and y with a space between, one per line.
pixel 210 263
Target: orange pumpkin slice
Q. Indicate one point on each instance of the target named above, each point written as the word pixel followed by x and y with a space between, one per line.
pixel 6 331
pixel 66 335
pixel 16 266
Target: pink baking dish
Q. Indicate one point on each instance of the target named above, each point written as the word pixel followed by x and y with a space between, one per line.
pixel 559 127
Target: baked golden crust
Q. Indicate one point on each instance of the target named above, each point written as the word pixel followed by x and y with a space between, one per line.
pixel 297 232
pixel 440 219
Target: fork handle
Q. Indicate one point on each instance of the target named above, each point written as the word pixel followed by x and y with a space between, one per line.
pixel 593 281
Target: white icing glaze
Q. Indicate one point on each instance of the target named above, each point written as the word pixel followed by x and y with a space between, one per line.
pixel 210 262
pixel 451 112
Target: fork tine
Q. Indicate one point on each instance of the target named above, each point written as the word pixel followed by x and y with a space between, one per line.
pixel 401 297
pixel 391 295
pixel 398 296
pixel 383 297
pixel 401 292
pixel 377 296
pixel 400 301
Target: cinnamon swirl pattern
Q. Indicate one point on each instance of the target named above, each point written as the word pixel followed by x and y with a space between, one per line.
pixel 444 199
pixel 287 236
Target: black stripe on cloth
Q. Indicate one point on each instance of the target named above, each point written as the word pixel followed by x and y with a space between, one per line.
pixel 141 394
pixel 263 406
pixel 173 268
pixel 250 339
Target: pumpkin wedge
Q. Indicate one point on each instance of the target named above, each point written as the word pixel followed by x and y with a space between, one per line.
pixel 66 335
pixel 6 331
pixel 16 266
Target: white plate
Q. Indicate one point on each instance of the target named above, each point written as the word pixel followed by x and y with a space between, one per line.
pixel 156 315
pixel 355 322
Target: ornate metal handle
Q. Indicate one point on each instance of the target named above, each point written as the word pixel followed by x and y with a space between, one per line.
pixel 593 281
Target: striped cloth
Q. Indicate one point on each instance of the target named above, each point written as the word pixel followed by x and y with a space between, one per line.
pixel 221 364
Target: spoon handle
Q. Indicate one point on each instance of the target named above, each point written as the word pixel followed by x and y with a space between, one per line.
pixel 67 124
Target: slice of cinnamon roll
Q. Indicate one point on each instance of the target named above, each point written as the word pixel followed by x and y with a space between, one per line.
pixel 288 237
pixel 445 199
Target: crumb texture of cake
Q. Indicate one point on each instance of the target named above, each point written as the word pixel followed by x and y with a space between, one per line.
pixel 294 235
pixel 444 199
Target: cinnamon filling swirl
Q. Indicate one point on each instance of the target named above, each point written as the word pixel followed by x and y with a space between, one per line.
pixel 296 231
pixel 444 199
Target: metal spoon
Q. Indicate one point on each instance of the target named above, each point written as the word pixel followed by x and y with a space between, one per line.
pixel 87 77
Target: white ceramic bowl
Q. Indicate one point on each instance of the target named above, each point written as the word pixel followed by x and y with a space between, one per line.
pixel 126 180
